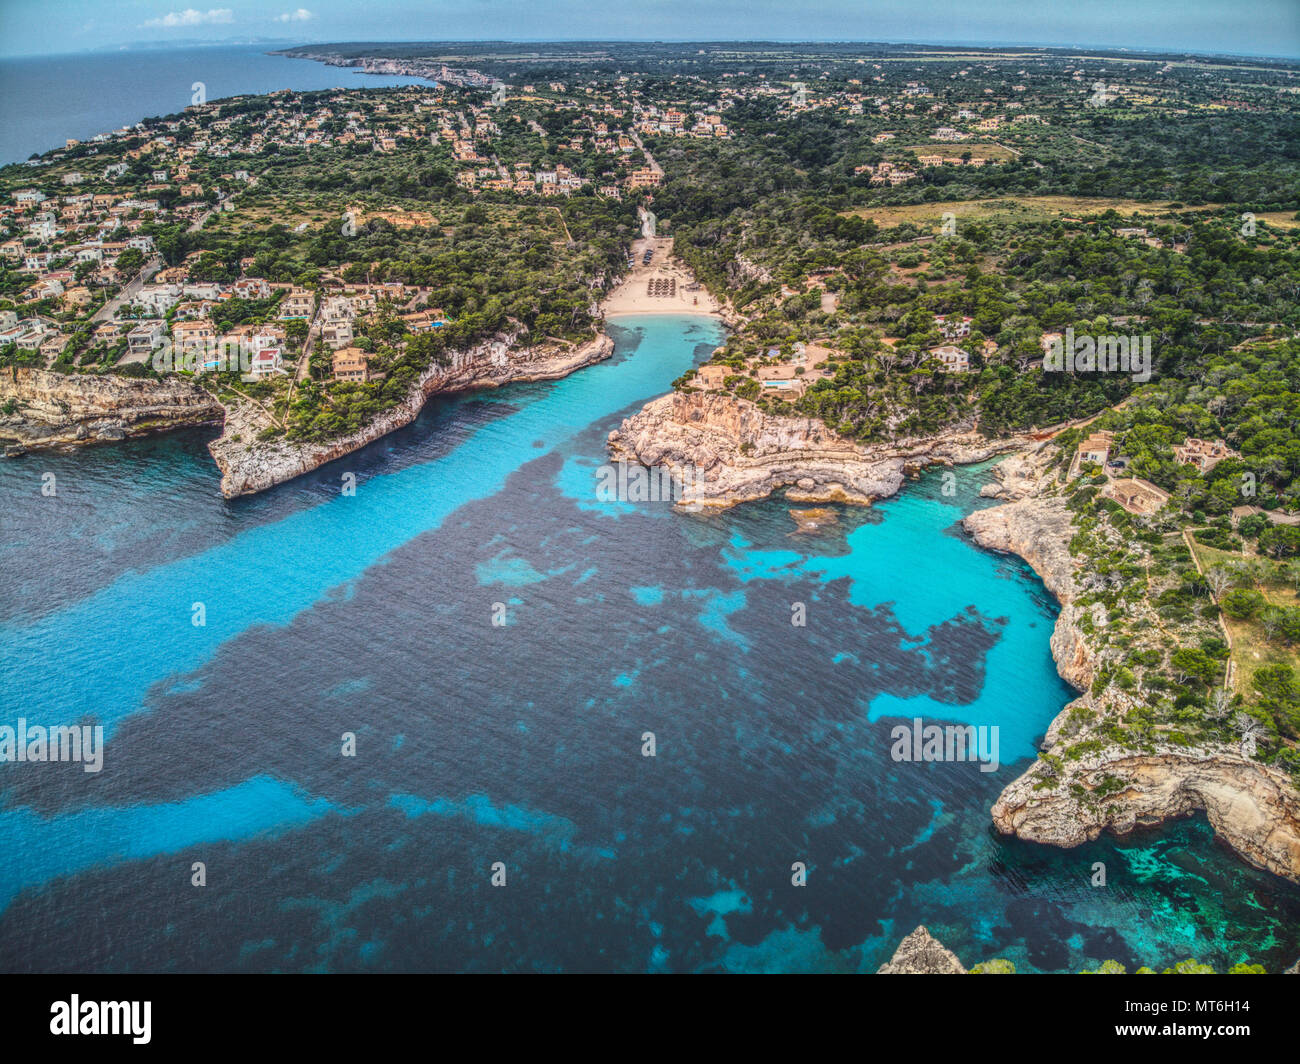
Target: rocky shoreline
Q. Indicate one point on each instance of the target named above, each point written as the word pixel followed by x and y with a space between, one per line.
pixel 47 410
pixel 1251 806
pixel 41 409
pixel 724 450
pixel 249 465
pixel 920 953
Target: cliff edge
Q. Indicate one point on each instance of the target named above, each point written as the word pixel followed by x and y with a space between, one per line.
pixel 43 409
pixel 725 450
pixel 250 464
pixel 1089 783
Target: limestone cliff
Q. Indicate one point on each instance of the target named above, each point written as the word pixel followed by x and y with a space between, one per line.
pixel 43 409
pixel 249 464
pixel 725 450
pixel 1070 800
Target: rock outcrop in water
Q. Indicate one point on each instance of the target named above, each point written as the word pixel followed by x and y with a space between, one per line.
pixel 43 409
pixel 1067 801
pixel 725 450
pixel 250 464
pixel 920 953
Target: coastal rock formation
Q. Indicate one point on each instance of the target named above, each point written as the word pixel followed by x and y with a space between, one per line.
pixel 250 464
pixel 1067 801
pixel 43 409
pixel 724 450
pixel 1038 529
pixel 1252 806
pixel 920 953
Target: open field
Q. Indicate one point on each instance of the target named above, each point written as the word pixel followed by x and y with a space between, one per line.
pixel 1280 219
pixel 956 149
pixel 289 214
pixel 1025 208
pixel 1250 650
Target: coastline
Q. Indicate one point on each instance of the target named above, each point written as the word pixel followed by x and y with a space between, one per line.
pixel 254 466
pixel 250 468
pixel 68 410
pixel 724 450
pixel 57 410
pixel 1072 799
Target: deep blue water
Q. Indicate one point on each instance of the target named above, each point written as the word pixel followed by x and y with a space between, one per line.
pixel 44 100
pixel 522 743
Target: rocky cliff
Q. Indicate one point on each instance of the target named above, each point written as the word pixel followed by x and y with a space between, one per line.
pixel 43 409
pixel 249 464
pixel 1070 800
pixel 725 450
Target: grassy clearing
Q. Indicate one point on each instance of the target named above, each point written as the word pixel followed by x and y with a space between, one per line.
pixel 1024 208
pixel 956 149
pixel 1250 649
pixel 1280 219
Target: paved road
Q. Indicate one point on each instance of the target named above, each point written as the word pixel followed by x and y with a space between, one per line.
pixel 129 290
pixel 132 287
pixel 304 363
pixel 636 139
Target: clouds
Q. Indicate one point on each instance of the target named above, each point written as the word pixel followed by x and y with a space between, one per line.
pixel 216 16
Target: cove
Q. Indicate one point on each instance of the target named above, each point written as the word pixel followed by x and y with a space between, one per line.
pixel 521 744
pixel 268 574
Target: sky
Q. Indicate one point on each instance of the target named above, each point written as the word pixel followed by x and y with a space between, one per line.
pixel 1250 27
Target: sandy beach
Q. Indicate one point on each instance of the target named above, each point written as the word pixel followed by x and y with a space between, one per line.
pixel 664 275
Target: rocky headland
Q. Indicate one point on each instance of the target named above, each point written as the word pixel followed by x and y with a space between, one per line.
pixel 250 464
pixel 724 450
pixel 1070 798
pixel 41 409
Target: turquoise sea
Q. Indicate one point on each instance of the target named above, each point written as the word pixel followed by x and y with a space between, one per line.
pixel 517 748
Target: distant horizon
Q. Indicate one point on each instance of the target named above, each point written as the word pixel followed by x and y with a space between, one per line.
pixel 1267 29
pixel 281 43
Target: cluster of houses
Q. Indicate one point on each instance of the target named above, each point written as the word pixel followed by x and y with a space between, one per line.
pixel 951 357
pixel 179 153
pixel 339 312
pixel 70 244
pixel 886 173
pixel 1134 494
pixel 787 379
pixel 929 160
pixel 34 333
pixel 673 122
pixel 177 312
